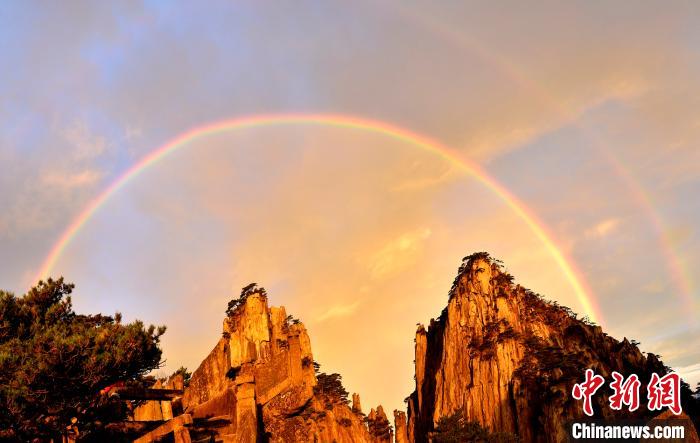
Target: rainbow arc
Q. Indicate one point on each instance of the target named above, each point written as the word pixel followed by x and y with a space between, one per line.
pixel 567 267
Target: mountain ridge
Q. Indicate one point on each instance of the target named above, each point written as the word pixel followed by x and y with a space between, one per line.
pixel 499 359
pixel 503 356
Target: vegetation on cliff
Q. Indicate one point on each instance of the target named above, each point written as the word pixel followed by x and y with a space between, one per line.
pixel 456 429
pixel 508 358
pixel 497 365
pixel 378 425
pixel 246 291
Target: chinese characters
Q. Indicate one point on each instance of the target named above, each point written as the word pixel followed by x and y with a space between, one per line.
pixel 661 392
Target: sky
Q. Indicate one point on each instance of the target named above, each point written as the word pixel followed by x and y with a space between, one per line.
pixel 588 113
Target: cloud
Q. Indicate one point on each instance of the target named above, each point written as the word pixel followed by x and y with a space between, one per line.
pixel 69 180
pixel 39 203
pixel 397 253
pixel 357 209
pixel 690 373
pixel 416 183
pixel 84 144
pixel 132 133
pixel 603 228
pixel 338 311
pixel 519 126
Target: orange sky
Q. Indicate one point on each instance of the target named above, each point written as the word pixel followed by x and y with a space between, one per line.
pixel 578 109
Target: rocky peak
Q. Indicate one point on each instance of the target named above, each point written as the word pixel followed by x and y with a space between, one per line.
pixel 356 406
pixel 400 429
pixel 498 355
pixel 502 356
pixel 379 427
pixel 260 383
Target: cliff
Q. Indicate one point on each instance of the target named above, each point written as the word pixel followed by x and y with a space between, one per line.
pixel 501 356
pixel 260 383
pixel 498 360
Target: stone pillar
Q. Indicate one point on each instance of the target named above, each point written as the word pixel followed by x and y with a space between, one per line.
pixel 421 349
pixel 400 427
pixel 356 406
pixel 295 360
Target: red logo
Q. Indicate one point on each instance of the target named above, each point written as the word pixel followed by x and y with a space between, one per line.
pixel 626 392
pixel 665 391
pixel 587 389
pixel 662 392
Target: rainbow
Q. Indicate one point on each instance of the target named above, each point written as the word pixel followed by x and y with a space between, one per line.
pixel 582 292
pixel 680 276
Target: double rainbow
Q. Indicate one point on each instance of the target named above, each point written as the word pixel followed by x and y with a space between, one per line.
pixel 582 292
pixel 680 275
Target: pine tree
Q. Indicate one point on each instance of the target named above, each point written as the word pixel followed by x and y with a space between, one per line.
pixel 54 363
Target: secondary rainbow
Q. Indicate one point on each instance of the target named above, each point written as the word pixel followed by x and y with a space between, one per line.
pixel 582 292
pixel 680 276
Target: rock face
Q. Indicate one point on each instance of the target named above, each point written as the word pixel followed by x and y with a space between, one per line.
pixel 498 355
pixel 400 427
pixel 667 418
pixel 356 406
pixel 164 409
pixel 379 426
pixel 259 383
pixel 505 358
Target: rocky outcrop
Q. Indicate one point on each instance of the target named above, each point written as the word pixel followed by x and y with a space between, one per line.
pixel 503 357
pixel 260 383
pixel 356 405
pixel 160 410
pixel 379 427
pixel 174 429
pixel 498 355
pixel 667 418
pixel 400 430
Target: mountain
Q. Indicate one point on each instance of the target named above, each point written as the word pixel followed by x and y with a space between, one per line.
pixel 502 356
pixel 260 383
pixel 498 364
